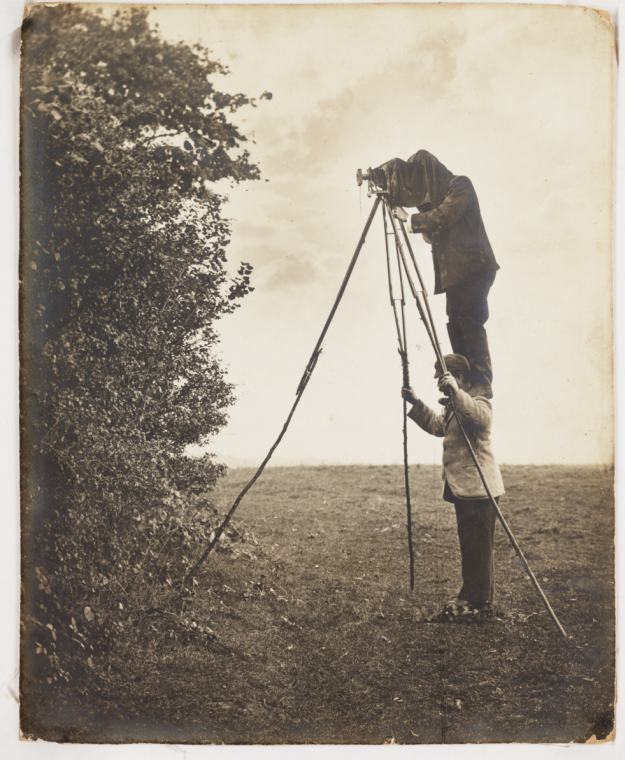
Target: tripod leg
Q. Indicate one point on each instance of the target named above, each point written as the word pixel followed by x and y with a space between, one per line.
pixel 315 354
pixel 300 390
pixel 403 351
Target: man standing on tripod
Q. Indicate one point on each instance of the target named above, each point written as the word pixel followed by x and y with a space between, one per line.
pixel 464 264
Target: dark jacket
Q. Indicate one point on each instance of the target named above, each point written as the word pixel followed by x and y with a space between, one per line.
pixel 449 217
pixel 459 469
pixel 460 246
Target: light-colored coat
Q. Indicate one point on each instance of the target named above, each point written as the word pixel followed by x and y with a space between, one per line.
pixel 459 469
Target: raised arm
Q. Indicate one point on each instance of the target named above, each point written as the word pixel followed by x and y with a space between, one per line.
pixel 425 418
pixel 450 210
pixel 478 411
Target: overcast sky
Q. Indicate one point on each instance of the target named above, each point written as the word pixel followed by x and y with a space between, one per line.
pixel 517 98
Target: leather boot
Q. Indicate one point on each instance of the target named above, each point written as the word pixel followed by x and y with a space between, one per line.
pixel 456 338
pixel 476 343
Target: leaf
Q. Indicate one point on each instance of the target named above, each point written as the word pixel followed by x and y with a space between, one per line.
pixel 89 614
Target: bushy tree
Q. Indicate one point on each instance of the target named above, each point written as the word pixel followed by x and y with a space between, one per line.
pixel 123 276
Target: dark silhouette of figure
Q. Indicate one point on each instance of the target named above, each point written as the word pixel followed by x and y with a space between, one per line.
pixel 449 219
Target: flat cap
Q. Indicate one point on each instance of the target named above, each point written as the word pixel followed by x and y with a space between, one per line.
pixel 454 363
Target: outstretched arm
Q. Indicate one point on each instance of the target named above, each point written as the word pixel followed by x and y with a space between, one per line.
pixel 425 418
pixel 399 213
pixel 480 413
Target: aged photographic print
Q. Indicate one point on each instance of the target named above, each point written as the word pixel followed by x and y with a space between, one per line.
pixel 316 374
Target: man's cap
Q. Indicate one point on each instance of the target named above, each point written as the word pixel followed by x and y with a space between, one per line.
pixel 454 363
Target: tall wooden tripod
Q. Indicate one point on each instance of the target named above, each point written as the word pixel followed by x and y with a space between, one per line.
pixel 406 266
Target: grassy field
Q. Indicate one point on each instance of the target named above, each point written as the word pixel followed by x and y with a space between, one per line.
pixel 319 639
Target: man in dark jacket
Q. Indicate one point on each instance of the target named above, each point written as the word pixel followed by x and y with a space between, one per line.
pixel 462 484
pixel 464 264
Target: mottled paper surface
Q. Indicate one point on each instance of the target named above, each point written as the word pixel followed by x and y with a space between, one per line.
pixel 520 100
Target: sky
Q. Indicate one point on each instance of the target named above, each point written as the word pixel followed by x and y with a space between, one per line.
pixel 517 98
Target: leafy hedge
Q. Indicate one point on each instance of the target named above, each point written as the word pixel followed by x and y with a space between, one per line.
pixel 101 593
pixel 123 276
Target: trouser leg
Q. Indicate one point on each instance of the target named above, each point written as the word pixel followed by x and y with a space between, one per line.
pixel 479 355
pixel 456 337
pixel 467 312
pixel 476 532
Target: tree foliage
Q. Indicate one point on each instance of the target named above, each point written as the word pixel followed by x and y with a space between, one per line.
pixel 123 276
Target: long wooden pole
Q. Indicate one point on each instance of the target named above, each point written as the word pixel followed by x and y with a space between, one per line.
pixel 300 390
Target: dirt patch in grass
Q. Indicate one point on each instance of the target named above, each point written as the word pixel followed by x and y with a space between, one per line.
pixel 318 638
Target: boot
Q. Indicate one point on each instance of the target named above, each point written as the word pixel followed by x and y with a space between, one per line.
pixel 456 338
pixel 476 343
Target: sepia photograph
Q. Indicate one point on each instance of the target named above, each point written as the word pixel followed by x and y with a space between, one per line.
pixel 316 374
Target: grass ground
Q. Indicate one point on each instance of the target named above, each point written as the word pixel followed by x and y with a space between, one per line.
pixel 320 640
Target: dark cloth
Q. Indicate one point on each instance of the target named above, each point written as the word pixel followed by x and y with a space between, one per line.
pixel 467 312
pixel 476 533
pixel 420 182
pixel 449 216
